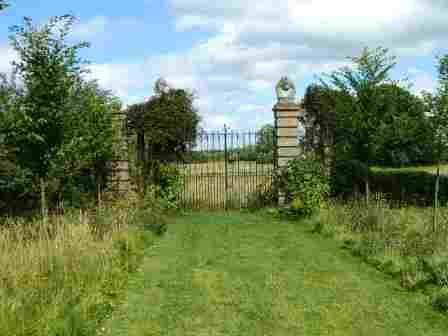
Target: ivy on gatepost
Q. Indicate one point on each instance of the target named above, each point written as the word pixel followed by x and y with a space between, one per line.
pixel 306 186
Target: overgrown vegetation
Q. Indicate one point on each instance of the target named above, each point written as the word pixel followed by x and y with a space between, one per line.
pixel 67 275
pixel 305 186
pixel 401 242
pixel 361 118
pixel 163 128
pixel 57 130
pixel 64 273
pixel 358 117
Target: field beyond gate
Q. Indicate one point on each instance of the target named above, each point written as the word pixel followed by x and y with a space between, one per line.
pixel 227 169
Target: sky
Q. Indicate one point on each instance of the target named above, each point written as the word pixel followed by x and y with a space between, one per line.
pixel 232 53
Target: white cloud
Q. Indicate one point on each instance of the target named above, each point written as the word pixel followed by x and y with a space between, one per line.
pixel 422 81
pixel 7 55
pixel 94 26
pixel 252 44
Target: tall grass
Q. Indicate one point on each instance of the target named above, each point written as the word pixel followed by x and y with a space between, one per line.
pixel 401 242
pixel 64 276
pixel 397 228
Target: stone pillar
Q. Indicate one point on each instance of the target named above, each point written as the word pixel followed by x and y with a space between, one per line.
pixel 286 115
pixel 119 181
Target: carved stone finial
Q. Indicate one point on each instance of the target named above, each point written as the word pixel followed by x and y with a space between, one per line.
pixel 286 91
pixel 161 86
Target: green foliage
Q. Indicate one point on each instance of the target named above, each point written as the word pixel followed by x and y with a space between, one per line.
pixel 437 266
pixel 170 184
pixel 265 144
pixel 150 212
pixel 319 120
pixel 357 109
pixel 409 186
pixel 437 107
pixel 90 141
pixel 440 300
pixel 368 245
pixel 166 124
pixel 347 177
pixel 57 127
pixel 305 185
pixel 405 134
pixel 16 183
pixel 367 119
pixel 263 197
pixel 49 69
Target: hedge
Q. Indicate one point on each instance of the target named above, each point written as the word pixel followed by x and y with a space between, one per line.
pixel 408 186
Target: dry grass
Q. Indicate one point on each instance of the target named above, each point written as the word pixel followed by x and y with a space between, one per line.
pixel 427 169
pixel 218 167
pixel 205 183
pixel 63 276
pixel 393 226
pixel 403 243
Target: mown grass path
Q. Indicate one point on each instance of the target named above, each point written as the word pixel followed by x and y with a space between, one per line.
pixel 246 274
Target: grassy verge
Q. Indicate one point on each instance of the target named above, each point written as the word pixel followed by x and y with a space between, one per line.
pixel 403 243
pixel 249 274
pixel 65 276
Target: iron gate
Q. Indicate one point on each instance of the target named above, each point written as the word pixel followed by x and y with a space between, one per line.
pixel 228 169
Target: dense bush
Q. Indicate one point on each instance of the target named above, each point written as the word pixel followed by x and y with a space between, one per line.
pixel 166 125
pixel 165 183
pixel 403 186
pixel 408 186
pixel 347 177
pixel 305 185
pixel 440 300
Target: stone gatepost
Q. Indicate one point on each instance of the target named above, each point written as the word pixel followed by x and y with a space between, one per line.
pixel 286 115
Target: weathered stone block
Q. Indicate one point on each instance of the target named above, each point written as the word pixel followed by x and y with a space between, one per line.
pixel 288 122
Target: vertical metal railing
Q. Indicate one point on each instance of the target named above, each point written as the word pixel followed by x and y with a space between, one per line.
pixel 226 169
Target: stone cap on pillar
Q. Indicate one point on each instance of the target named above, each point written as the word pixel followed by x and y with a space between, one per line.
pixel 286 97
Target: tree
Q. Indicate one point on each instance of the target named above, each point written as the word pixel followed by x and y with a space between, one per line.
pixel 319 120
pixel 356 105
pixel 166 125
pixel 90 139
pixel 265 143
pixel 437 106
pixel 13 180
pixel 404 134
pixel 49 69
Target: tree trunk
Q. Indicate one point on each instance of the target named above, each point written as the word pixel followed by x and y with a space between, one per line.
pixel 43 200
pixel 367 191
pixel 367 182
pixel 99 198
pixel 140 162
pixel 436 199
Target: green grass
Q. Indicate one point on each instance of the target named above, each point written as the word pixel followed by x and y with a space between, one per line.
pixel 247 274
